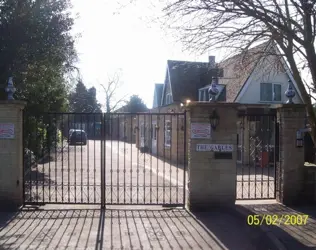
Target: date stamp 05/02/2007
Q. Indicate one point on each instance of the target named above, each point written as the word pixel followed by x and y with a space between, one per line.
pixel 277 219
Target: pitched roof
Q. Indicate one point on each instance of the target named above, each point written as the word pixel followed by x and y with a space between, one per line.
pixel 238 68
pixel 186 78
pixel 158 93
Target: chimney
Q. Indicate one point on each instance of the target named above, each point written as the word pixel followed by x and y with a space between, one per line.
pixel 211 61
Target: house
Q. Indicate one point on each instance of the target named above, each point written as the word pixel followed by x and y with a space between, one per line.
pixel 91 123
pixel 157 94
pixel 256 76
pixel 121 125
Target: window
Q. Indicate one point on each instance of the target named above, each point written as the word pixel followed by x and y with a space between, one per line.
pixel 270 92
pixel 204 95
pixel 168 133
pixel 168 98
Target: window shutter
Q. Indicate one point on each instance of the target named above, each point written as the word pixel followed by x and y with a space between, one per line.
pixel 277 92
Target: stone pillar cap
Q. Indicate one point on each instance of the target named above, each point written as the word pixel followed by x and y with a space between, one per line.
pixel 289 105
pixel 13 102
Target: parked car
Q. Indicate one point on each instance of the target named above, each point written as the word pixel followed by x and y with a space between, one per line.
pixel 77 136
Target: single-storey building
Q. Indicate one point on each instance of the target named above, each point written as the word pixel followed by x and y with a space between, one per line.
pixel 121 125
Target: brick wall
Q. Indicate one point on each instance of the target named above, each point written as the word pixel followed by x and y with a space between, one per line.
pixel 159 116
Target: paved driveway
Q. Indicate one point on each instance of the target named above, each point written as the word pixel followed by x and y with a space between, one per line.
pixel 130 177
pixel 254 182
pixel 128 229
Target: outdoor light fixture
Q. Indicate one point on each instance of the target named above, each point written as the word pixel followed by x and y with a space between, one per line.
pixel 188 101
pixel 214 119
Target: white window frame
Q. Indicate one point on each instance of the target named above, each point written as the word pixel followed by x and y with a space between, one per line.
pixel 273 93
pixel 168 98
pixel 167 133
pixel 204 95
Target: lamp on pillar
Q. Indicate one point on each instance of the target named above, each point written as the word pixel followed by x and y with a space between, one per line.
pixel 10 89
pixel 214 119
pixel 290 93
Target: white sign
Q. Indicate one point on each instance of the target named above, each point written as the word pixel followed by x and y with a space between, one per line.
pixel 6 131
pixel 215 147
pixel 200 130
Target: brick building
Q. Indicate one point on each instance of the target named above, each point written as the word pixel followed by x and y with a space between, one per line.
pixel 256 76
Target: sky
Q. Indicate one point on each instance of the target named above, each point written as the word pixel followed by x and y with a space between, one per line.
pixel 125 40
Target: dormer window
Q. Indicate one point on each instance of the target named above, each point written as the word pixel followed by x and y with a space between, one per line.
pixel 168 98
pixel 204 95
pixel 270 92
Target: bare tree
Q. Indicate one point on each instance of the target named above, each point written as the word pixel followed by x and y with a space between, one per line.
pixel 110 89
pixel 240 24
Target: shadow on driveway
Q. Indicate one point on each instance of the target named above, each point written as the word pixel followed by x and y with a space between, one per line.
pixel 127 229
pixel 291 236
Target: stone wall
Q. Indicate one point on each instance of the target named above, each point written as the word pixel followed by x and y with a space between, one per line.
pixel 290 169
pixel 309 189
pixel 212 182
pixel 11 156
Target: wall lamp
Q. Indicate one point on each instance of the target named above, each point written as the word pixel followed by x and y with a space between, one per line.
pixel 214 119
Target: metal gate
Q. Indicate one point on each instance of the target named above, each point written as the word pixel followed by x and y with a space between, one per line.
pixel 105 158
pixel 257 154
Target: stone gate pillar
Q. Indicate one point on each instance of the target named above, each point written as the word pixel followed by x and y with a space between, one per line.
pixel 211 173
pixel 11 154
pixel 290 175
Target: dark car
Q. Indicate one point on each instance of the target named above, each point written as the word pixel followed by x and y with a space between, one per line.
pixel 77 136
